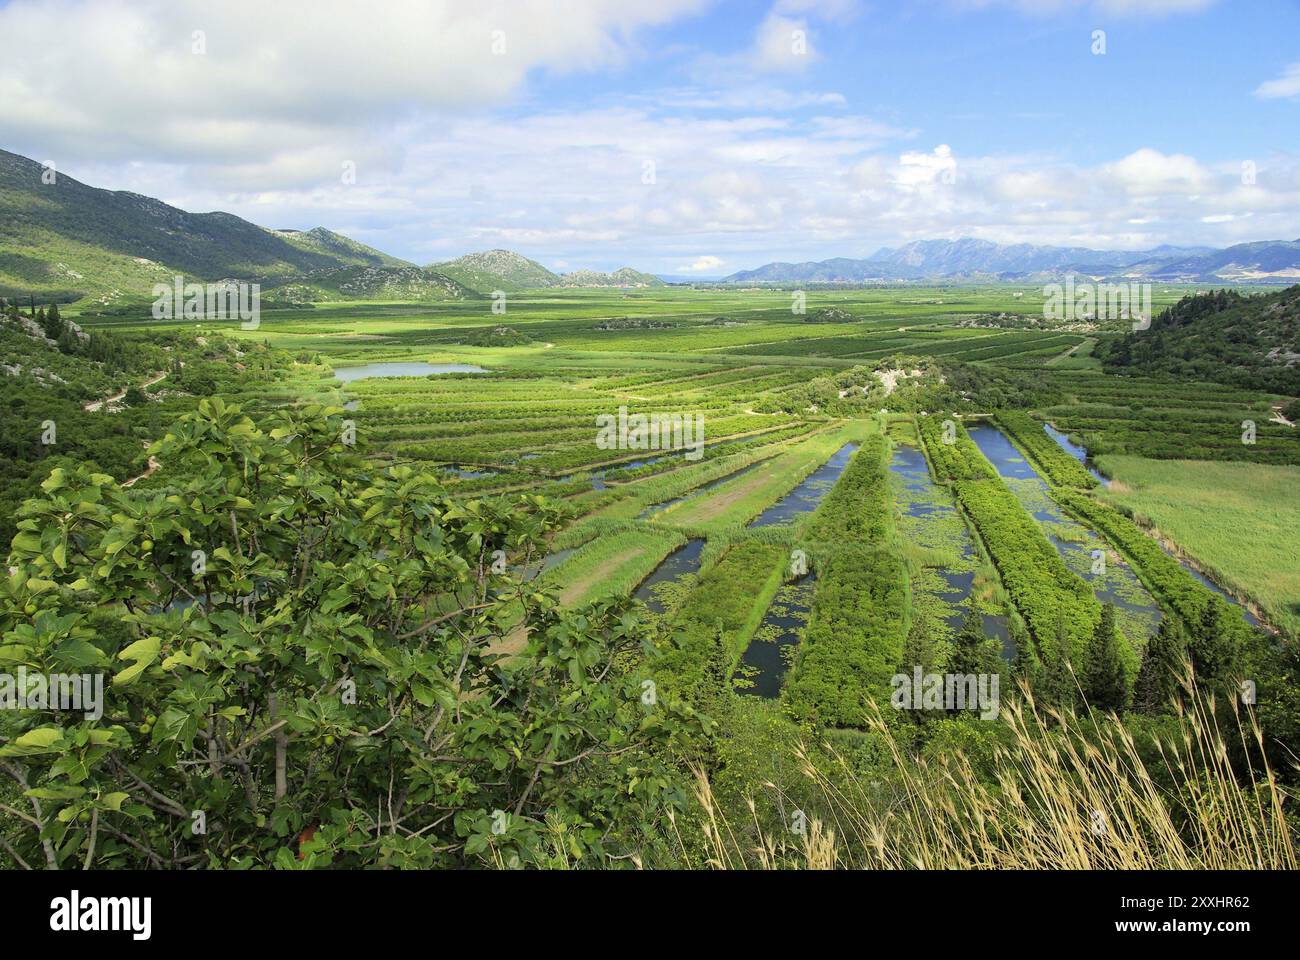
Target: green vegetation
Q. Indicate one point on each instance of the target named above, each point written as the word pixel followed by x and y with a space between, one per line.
pixel 1236 521
pixel 1222 337
pixel 535 683
pixel 1059 467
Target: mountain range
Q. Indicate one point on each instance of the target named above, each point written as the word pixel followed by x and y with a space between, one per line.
pixel 61 239
pixel 1275 261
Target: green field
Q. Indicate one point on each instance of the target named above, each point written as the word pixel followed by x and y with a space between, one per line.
pixel 1237 521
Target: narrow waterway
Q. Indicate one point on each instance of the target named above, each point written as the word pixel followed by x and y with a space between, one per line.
pixel 805 497
pixel 929 521
pixel 1083 551
pixel 1080 453
pixel 681 562
pixel 769 654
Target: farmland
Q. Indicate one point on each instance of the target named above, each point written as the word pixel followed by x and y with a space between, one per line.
pixel 786 511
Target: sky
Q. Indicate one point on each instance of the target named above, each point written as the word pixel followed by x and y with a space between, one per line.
pixel 681 137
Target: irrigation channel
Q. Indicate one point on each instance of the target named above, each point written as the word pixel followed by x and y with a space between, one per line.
pixel 1083 551
pixel 764 661
pixel 930 523
pixel 1080 453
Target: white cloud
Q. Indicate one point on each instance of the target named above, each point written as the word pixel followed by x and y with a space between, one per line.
pixel 784 44
pixel 123 75
pixel 702 264
pixel 1148 171
pixel 1284 87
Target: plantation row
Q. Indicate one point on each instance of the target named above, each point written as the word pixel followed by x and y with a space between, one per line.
pixel 1060 468
pixel 859 618
pixel 1164 576
pixel 952 453
pixel 1054 602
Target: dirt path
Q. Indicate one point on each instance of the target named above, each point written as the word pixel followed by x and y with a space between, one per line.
pixel 1059 358
pixel 1279 417
pixel 152 466
pixel 96 405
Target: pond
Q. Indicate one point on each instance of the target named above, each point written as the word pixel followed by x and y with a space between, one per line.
pixel 402 368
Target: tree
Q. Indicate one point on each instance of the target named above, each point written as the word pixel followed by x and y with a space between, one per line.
pixel 919 648
pixel 1160 678
pixel 1025 664
pixel 1103 677
pixel 1213 647
pixel 973 651
pixel 302 649
pixel 50 322
pixel 1059 685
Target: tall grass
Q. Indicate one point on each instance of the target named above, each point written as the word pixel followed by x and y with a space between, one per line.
pixel 1068 791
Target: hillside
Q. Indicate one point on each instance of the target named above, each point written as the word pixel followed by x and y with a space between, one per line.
pixel 66 240
pixel 982 260
pixel 622 277
pixel 398 283
pixel 496 270
pixel 1223 337
pixel 509 271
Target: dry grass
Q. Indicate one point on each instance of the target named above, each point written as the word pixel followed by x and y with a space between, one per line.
pixel 1072 792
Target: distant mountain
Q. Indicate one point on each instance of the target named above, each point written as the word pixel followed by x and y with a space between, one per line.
pixel 496 270
pixel 983 260
pixel 67 240
pixel 1220 336
pixel 1266 260
pixel 622 277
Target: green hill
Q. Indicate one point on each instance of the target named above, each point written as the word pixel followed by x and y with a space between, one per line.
pixel 1223 337
pixel 496 270
pixel 68 241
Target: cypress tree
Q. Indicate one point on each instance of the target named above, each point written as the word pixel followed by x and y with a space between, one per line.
pixel 974 652
pixel 1025 664
pixel 1159 681
pixel 1103 677
pixel 1213 648
pixel 918 648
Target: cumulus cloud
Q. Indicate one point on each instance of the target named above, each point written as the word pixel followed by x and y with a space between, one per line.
pixel 192 80
pixel 702 264
pixel 1284 87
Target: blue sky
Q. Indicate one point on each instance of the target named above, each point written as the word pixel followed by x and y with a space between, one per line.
pixel 683 137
